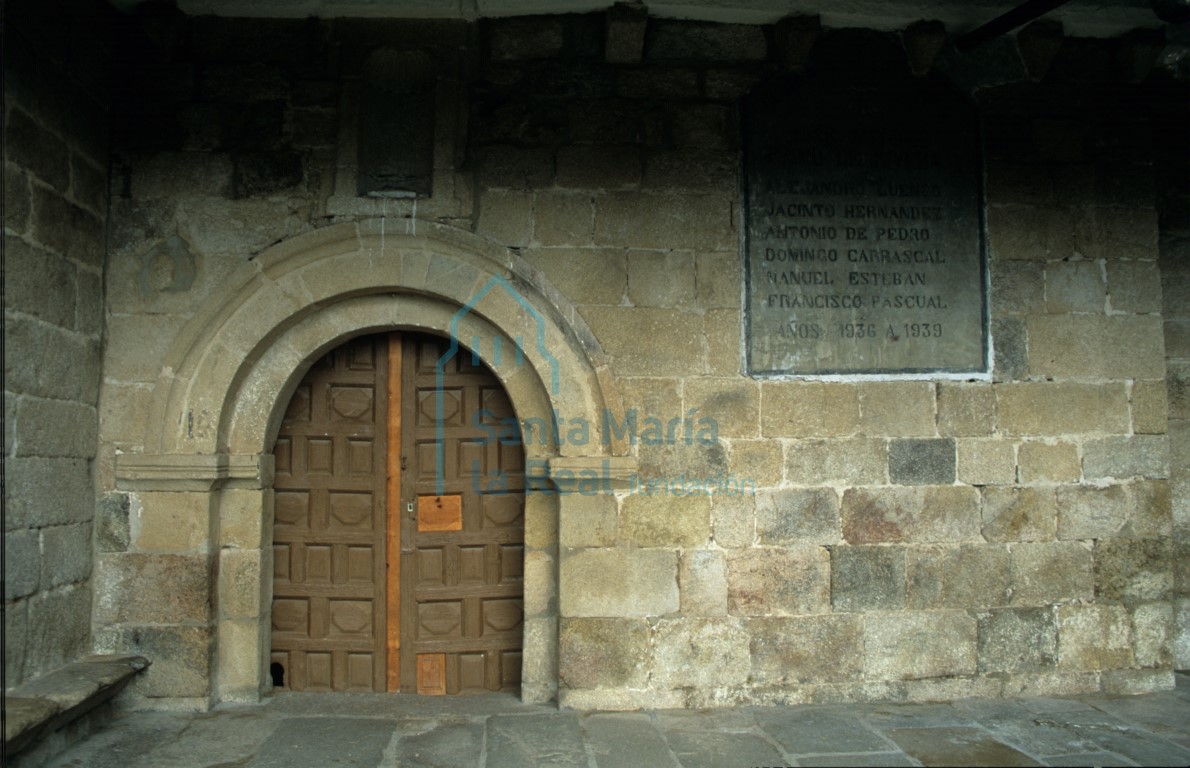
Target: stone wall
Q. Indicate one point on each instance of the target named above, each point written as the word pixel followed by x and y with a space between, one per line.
pixel 1173 186
pixel 55 209
pixel 906 538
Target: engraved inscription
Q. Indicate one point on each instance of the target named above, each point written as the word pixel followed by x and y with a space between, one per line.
pixel 864 248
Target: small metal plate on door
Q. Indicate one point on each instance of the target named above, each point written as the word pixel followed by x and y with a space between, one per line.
pixel 440 513
pixel 431 674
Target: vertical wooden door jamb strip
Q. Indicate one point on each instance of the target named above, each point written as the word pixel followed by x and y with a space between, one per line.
pixel 393 469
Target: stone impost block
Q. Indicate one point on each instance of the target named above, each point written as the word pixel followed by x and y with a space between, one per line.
pixel 662 279
pixel 912 645
pixel 1121 456
pixel 692 222
pixel 1075 286
pixel 966 410
pixel 1109 347
pixel 798 515
pixel 152 589
pixel 1019 514
pixel 618 583
pixel 1027 233
pixel 1045 408
pixel 1049 572
pixel 587 520
pixel 1153 632
pixel 897 409
pixel 849 461
pixel 734 404
pixel 646 341
pixel 828 648
pixel 1048 462
pixel 968 576
pixel 177 523
pixel 665 520
pixel 1116 233
pixel 1017 640
pixel 809 409
pixel 925 461
pixel 760 461
pixel 1089 512
pixel 1094 637
pixel 1150 414
pixel 867 578
pixel 981 461
pixel 1133 570
pixel 925 514
pixel 778 582
pixel 702 580
pixel 733 520
pixel 700 653
pixel 596 653
pixel 562 218
pixel 625 39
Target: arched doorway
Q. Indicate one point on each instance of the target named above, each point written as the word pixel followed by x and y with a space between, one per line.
pixel 221 395
pixel 398 536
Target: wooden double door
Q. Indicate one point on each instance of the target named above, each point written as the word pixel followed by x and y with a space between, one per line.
pixel 398 535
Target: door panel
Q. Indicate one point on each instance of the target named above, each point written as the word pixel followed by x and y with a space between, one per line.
pixel 350 514
pixel 329 525
pixel 462 614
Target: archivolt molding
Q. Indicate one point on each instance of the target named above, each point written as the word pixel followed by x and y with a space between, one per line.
pixel 233 365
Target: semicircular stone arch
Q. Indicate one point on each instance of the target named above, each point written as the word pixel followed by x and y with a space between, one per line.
pixel 232 370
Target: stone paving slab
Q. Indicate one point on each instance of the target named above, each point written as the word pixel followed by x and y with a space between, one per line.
pixel 296 730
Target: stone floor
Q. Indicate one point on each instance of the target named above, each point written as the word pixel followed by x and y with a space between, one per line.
pixel 295 730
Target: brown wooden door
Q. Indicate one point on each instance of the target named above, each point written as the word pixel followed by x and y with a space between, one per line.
pixel 462 553
pixel 329 524
pixel 385 578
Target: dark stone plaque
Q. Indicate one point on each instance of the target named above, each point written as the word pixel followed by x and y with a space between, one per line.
pixel 864 248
